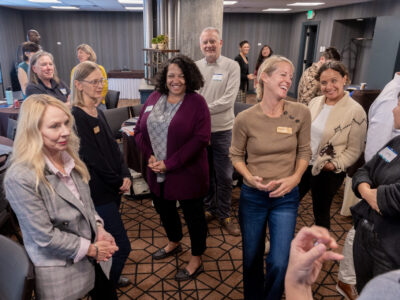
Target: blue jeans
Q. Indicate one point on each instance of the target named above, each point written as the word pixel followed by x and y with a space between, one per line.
pixel 113 224
pixel 218 201
pixel 256 210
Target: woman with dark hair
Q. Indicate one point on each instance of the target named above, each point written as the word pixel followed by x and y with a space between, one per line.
pixel 43 78
pixel 28 49
pixel 243 61
pixel 173 132
pixel 338 131
pixel 265 52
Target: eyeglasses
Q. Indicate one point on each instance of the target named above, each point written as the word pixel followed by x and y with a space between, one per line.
pixel 96 82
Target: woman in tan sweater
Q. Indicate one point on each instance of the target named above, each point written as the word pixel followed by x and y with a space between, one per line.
pixel 338 130
pixel 275 134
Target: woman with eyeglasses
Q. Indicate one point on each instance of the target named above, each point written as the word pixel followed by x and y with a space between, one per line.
pixel 86 53
pixel 43 78
pixel 109 175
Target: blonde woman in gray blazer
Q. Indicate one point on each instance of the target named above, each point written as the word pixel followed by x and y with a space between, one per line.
pixel 47 187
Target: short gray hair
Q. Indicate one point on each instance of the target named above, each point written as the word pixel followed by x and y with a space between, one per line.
pixel 210 29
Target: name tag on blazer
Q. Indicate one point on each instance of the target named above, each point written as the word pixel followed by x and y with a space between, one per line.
pixel 387 154
pixel 217 77
pixel 148 108
pixel 64 91
pixel 284 130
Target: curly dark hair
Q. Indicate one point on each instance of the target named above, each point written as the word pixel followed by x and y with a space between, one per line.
pixel 334 65
pixel 193 78
pixel 261 58
pixel 331 53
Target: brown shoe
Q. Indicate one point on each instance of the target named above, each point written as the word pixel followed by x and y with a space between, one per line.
pixel 348 291
pixel 209 216
pixel 230 227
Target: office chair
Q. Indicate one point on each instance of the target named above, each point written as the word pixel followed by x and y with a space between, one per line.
pixel 16 271
pixel 112 99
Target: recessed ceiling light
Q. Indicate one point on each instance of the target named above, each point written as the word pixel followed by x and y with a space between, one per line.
pixel 45 1
pixel 131 1
pixel 65 7
pixel 134 7
pixel 306 4
pixel 277 9
pixel 229 2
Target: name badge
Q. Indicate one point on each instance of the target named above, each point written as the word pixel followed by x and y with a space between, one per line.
pixel 387 154
pixel 217 77
pixel 64 91
pixel 96 130
pixel 284 130
pixel 148 108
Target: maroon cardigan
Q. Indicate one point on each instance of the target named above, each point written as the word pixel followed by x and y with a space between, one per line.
pixel 187 175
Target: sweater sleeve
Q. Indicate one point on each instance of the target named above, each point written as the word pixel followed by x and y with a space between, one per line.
pixel 198 141
pixel 388 197
pixel 237 150
pixel 355 142
pixel 303 138
pixel 141 140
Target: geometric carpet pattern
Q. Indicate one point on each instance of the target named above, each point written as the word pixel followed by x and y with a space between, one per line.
pixel 222 279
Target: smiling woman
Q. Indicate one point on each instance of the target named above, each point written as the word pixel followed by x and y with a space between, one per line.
pixel 43 77
pixel 275 135
pixel 338 132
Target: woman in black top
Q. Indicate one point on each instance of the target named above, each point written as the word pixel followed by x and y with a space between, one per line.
pixel 242 59
pixel 109 175
pixel 265 52
pixel 377 216
pixel 43 77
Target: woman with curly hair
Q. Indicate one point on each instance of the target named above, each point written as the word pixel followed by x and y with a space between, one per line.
pixel 172 133
pixel 265 52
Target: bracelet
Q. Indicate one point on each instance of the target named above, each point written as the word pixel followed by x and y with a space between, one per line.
pixel 97 251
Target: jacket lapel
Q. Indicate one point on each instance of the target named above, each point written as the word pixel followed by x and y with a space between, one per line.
pixel 61 190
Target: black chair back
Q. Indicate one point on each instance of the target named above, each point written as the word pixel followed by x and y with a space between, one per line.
pixel 115 117
pixel 16 271
pixel 112 99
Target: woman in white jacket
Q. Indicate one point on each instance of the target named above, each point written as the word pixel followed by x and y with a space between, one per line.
pixel 338 133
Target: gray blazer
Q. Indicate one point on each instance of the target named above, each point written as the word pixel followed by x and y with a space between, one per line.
pixel 52 224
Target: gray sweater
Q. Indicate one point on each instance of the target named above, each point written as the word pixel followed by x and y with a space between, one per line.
pixel 222 81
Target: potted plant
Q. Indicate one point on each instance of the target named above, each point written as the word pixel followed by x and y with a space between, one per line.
pixel 162 41
pixel 154 42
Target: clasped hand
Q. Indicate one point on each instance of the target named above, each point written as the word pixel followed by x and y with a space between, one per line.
pixel 157 166
pixel 277 188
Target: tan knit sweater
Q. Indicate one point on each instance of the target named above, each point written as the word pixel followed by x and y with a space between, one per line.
pixel 343 139
pixel 272 144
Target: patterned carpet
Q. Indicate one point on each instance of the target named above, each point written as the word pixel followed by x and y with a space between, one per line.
pixel 222 260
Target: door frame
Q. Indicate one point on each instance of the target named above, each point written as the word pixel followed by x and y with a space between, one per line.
pixel 300 59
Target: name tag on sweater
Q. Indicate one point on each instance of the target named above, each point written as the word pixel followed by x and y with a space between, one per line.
pixel 96 130
pixel 284 130
pixel 148 108
pixel 387 154
pixel 217 77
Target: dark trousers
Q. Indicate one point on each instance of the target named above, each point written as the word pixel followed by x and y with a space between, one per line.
pixel 193 212
pixel 113 224
pixel 370 259
pixel 218 201
pixel 323 187
pixel 103 288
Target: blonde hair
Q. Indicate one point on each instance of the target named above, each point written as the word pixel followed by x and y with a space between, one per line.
pixel 269 66
pixel 34 59
pixel 88 50
pixel 28 143
pixel 81 72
